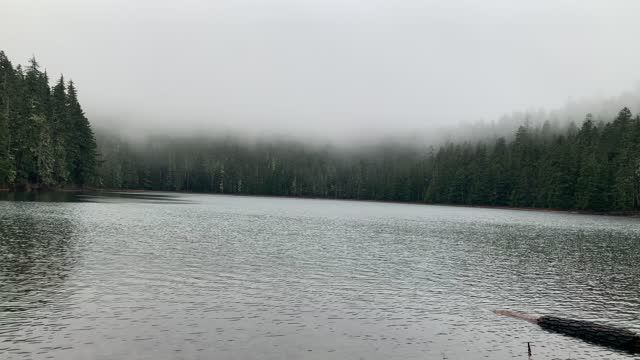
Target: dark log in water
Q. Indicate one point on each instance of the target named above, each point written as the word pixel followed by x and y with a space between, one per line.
pixel 602 334
pixel 607 335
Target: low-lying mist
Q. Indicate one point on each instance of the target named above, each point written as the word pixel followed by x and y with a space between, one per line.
pixel 591 166
pixel 342 72
pixel 365 138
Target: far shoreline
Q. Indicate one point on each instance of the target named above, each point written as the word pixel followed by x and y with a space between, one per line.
pixel 497 207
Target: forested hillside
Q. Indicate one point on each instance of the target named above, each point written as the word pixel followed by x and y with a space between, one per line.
pixel 46 142
pixel 593 167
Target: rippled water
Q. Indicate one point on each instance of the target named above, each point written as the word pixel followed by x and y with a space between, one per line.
pixel 168 276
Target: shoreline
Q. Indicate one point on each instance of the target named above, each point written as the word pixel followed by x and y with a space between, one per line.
pixel 498 207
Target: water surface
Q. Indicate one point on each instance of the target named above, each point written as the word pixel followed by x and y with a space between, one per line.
pixel 176 276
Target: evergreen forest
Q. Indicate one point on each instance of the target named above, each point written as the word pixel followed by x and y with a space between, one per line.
pixel 46 142
pixel 595 167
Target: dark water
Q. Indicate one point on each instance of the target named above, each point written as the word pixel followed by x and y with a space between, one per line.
pixel 167 276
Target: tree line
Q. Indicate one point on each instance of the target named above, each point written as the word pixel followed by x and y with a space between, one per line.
pixel 46 142
pixel 592 167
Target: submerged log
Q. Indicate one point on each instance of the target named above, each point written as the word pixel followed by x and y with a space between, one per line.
pixel 601 334
pixel 614 337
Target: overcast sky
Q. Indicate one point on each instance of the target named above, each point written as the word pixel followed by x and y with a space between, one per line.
pixel 325 67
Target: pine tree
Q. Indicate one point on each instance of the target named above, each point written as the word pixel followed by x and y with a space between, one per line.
pixel 60 130
pixel 81 160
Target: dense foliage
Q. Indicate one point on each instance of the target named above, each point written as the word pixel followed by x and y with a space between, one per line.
pixel 45 139
pixel 595 167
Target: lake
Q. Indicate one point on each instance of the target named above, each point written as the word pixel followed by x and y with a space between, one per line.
pixel 181 276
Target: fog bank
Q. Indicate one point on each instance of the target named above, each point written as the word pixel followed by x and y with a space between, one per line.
pixel 325 69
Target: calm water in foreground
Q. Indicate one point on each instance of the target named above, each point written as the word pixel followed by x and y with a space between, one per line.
pixel 168 276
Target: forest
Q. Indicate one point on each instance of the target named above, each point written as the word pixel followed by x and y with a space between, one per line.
pixel 46 142
pixel 594 167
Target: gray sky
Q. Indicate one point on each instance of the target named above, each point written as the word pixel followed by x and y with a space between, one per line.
pixel 325 67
